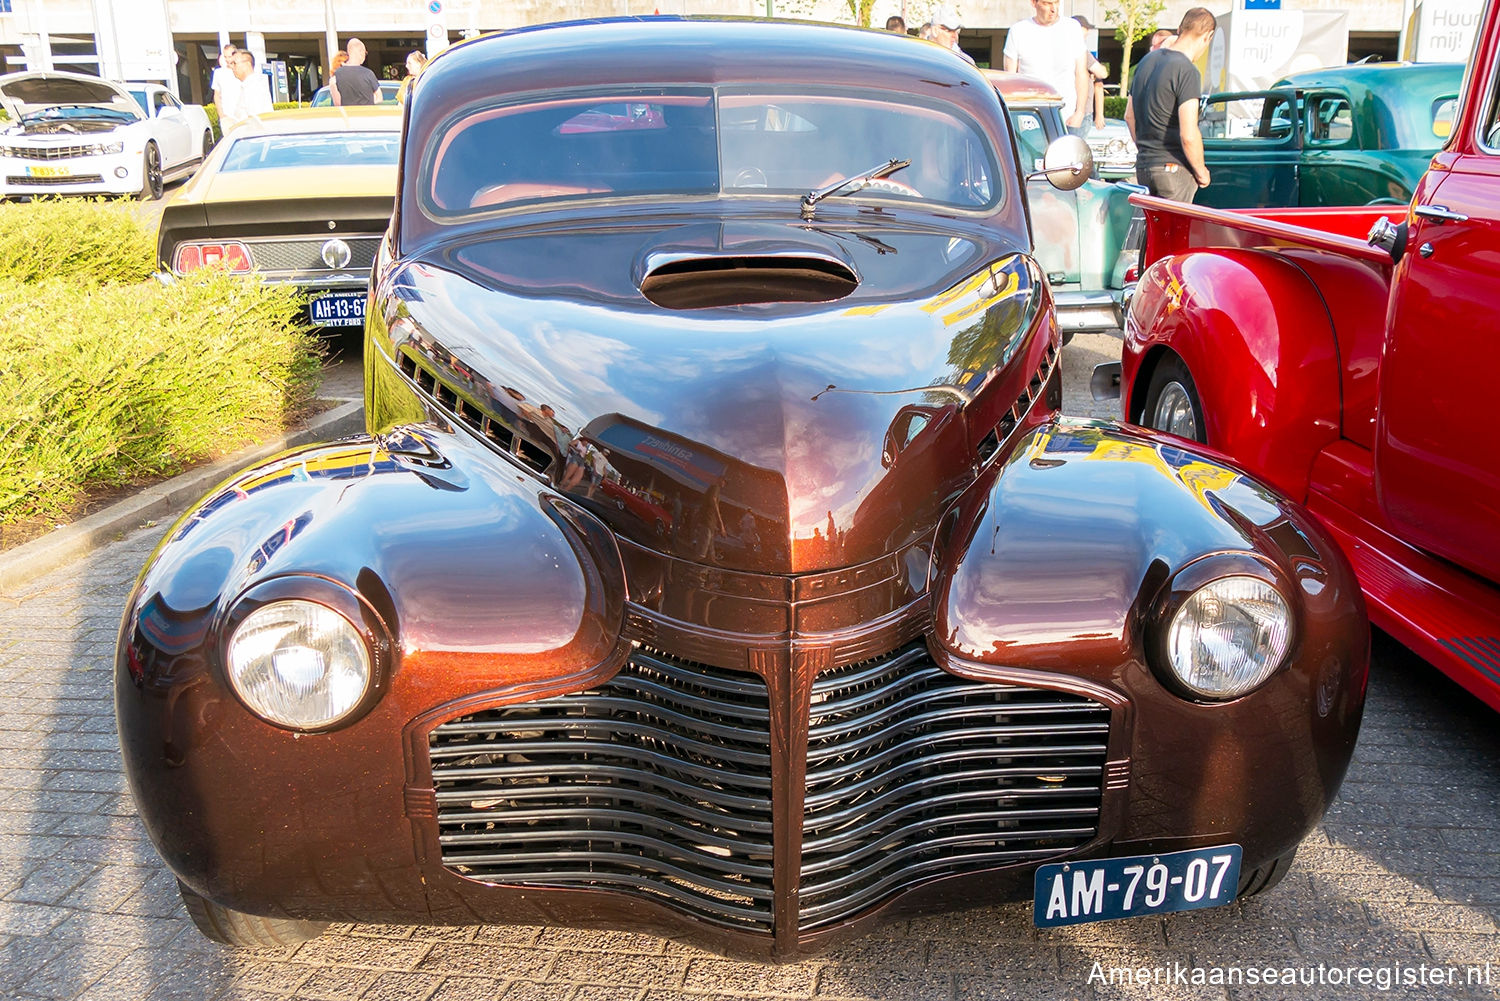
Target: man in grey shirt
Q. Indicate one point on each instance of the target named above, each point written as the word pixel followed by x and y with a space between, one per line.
pixel 353 83
pixel 1162 112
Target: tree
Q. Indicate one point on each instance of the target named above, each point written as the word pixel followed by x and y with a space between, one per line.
pixel 1136 19
pixel 860 9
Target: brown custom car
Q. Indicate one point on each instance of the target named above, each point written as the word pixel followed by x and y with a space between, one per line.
pixel 716 561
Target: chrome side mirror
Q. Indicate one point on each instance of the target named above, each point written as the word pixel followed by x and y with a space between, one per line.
pixel 1067 163
pixel 1389 237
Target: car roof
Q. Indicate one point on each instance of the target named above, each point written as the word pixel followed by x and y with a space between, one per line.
pixel 670 50
pixel 1018 88
pixel 353 119
pixel 1394 82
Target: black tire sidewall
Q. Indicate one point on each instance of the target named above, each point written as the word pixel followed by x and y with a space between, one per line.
pixel 1167 371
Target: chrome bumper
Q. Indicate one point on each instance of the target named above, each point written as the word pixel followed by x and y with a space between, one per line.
pixel 1081 312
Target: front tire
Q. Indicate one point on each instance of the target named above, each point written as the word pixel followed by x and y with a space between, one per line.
pixel 208 142
pixel 1172 403
pixel 1262 878
pixel 153 184
pixel 246 931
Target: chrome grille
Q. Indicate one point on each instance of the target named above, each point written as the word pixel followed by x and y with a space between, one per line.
pixel 307 254
pixel 914 773
pixel 44 182
pixel 49 152
pixel 656 783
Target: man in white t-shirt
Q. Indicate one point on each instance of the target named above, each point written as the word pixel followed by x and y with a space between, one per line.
pixel 223 79
pixel 1052 48
pixel 251 96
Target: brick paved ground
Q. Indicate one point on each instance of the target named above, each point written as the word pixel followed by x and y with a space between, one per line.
pixel 1405 870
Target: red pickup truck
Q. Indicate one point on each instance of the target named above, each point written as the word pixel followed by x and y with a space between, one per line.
pixel 1354 372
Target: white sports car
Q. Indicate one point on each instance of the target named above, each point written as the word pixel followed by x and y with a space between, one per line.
pixel 67 133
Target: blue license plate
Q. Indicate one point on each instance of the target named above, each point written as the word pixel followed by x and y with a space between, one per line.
pixel 338 309
pixel 1070 893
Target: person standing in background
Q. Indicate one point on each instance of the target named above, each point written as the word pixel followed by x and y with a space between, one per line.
pixel 250 95
pixel 896 23
pixel 223 78
pixel 415 63
pixel 1052 48
pixel 353 83
pixel 945 29
pixel 1097 71
pixel 1162 112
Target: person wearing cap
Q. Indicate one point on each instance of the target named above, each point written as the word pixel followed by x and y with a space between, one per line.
pixel 1053 48
pixel 945 28
pixel 1097 71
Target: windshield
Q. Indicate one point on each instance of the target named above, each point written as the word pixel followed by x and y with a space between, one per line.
pixel 312 150
pixel 703 141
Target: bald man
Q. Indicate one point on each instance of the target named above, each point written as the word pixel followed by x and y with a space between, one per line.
pixel 353 83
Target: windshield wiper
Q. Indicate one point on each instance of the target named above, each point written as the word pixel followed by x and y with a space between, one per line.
pixel 812 198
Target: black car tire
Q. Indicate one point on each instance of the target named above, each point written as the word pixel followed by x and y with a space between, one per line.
pixel 153 184
pixel 1262 878
pixel 1171 395
pixel 208 142
pixel 246 931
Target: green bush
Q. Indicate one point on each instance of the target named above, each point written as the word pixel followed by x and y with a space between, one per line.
pixel 1114 107
pixel 89 241
pixel 213 120
pixel 288 105
pixel 105 385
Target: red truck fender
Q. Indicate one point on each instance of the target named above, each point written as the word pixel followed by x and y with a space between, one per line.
pixel 1255 338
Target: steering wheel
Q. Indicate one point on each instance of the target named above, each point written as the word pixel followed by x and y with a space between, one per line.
pixel 750 177
pixel 1493 138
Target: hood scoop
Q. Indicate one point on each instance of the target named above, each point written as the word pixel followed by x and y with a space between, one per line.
pixel 728 264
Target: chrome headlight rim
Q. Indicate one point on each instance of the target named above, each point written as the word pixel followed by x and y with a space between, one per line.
pixel 1188 581
pixel 357 612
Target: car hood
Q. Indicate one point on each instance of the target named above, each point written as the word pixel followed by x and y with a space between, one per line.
pixel 27 93
pixel 769 437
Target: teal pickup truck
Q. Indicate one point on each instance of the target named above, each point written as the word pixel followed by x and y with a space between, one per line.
pixel 1080 236
pixel 1347 135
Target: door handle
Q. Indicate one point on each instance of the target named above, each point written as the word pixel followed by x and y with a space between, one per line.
pixel 1439 214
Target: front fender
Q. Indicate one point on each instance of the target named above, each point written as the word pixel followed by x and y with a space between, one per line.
pixel 480 580
pixel 1057 562
pixel 1256 338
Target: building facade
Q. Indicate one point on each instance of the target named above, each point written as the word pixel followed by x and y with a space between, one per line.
pixel 179 40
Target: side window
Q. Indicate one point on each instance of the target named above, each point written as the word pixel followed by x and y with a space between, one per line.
pixel 1444 110
pixel 1247 118
pixel 160 100
pixel 1330 120
pixel 1490 127
pixel 1031 137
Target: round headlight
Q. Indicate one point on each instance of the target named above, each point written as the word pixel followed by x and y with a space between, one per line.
pixel 1115 147
pixel 299 664
pixel 1229 636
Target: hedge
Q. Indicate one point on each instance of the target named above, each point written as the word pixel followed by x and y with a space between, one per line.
pixel 94 242
pixel 1114 107
pixel 111 380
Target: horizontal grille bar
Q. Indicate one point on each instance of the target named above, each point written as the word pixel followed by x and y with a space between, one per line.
pixel 52 182
pixel 49 152
pixel 914 774
pixel 656 783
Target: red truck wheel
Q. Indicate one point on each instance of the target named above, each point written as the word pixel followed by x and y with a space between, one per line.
pixel 1172 402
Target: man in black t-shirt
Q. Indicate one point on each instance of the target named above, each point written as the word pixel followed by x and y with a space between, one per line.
pixel 353 83
pixel 1162 112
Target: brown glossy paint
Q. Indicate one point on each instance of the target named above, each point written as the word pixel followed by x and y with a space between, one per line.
pixel 931 492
